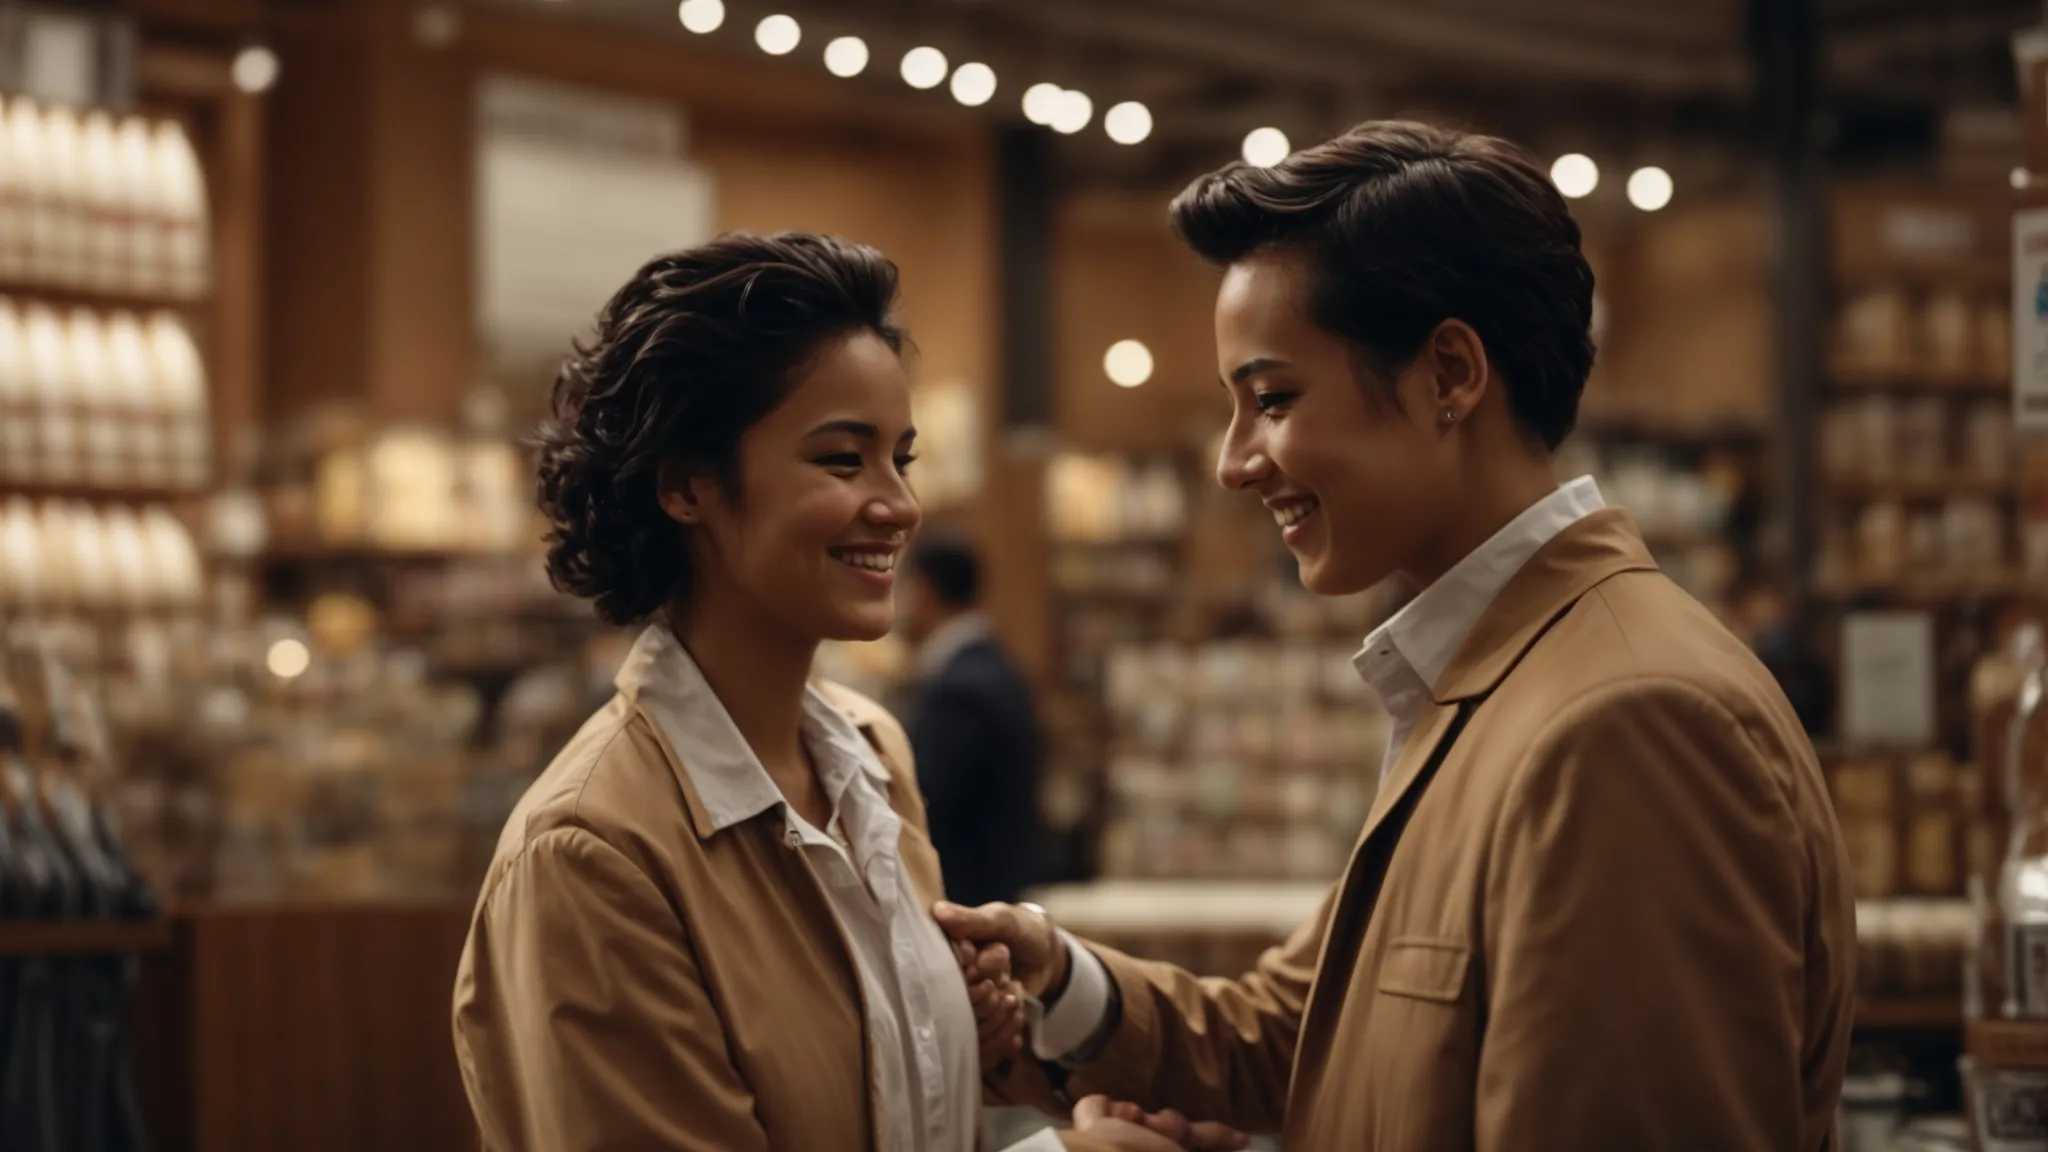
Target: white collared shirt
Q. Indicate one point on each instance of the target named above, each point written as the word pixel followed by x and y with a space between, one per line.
pixel 1404 657
pixel 1402 660
pixel 921 1030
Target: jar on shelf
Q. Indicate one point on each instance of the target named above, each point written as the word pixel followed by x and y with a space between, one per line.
pixel 2023 885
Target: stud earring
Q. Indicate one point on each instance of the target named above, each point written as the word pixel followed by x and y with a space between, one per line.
pixel 1450 417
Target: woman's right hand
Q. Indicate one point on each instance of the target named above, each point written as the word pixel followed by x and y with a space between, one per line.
pixel 998 1003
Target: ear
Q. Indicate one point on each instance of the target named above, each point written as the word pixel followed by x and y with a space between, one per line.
pixel 681 491
pixel 1462 371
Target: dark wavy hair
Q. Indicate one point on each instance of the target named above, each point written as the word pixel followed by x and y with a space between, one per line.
pixel 697 348
pixel 1407 225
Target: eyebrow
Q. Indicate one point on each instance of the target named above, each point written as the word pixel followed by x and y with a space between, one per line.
pixel 860 428
pixel 1253 367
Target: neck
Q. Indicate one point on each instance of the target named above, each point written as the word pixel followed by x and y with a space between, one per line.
pixel 1485 506
pixel 759 673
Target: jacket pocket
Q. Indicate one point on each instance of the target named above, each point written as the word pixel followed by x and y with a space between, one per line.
pixel 1425 969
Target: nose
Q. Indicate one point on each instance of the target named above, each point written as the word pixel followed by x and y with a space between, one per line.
pixel 1242 462
pixel 895 506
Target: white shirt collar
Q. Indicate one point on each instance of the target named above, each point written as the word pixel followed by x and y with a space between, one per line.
pixel 950 639
pixel 660 676
pixel 1427 632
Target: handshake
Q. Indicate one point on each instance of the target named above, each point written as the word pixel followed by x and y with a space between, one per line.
pixel 1008 952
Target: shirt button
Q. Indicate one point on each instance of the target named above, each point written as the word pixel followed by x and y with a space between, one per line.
pixel 925 1033
pixel 796 838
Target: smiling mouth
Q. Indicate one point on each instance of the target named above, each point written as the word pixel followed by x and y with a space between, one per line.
pixel 1294 512
pixel 865 560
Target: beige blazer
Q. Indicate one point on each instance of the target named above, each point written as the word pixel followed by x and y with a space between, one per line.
pixel 634 979
pixel 1601 902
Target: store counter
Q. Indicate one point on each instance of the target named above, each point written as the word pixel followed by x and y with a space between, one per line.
pixel 1209 927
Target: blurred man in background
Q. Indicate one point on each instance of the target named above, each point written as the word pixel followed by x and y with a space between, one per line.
pixel 973 728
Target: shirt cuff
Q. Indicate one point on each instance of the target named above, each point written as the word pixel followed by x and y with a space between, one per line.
pixel 1061 1032
pixel 1043 1140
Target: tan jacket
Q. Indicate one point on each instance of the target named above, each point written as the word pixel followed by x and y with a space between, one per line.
pixel 634 981
pixel 1601 902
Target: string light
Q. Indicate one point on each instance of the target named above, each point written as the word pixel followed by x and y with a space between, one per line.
pixel 1649 188
pixel 1042 103
pixel 974 84
pixel 1128 123
pixel 924 67
pixel 778 35
pixel 1265 147
pixel 1074 112
pixel 701 16
pixel 846 56
pixel 1575 175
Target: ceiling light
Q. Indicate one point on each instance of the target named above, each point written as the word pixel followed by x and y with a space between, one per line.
pixel 255 69
pixel 1128 363
pixel 1074 112
pixel 974 84
pixel 1128 123
pixel 1575 175
pixel 1649 188
pixel 924 67
pixel 2020 178
pixel 1265 147
pixel 701 16
pixel 1042 102
pixel 778 35
pixel 846 56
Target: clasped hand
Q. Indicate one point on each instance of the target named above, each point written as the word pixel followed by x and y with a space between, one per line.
pixel 1006 952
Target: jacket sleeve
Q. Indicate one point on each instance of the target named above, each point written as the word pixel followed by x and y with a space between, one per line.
pixel 1214 1049
pixel 581 1021
pixel 1645 925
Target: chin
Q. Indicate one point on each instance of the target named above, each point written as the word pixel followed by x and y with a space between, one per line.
pixel 1325 577
pixel 862 627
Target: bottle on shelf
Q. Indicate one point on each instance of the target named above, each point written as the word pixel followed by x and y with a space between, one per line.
pixel 64 150
pixel 2023 884
pixel 49 375
pixel 182 188
pixel 18 401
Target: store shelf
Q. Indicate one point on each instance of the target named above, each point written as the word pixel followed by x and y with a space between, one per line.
pixel 96 494
pixel 105 300
pixel 82 938
pixel 1902 1013
pixel 1907 488
pixel 315 553
pixel 1934 591
pixel 1711 433
pixel 1850 379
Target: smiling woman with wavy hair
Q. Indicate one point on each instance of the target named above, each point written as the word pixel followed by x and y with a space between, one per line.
pixel 706 924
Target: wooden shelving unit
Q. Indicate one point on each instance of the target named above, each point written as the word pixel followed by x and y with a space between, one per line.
pixel 98 299
pixel 83 938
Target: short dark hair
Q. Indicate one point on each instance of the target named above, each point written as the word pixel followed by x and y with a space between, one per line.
pixel 951 565
pixel 1407 225
pixel 697 348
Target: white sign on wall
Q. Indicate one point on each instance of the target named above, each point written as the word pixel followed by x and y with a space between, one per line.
pixel 1888 678
pixel 575 191
pixel 2030 320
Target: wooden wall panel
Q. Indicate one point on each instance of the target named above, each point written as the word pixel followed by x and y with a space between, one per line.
pixel 308 1028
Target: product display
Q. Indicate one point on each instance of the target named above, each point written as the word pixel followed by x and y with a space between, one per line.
pixel 93 202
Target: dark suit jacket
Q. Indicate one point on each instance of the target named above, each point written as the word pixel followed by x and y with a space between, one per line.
pixel 975 736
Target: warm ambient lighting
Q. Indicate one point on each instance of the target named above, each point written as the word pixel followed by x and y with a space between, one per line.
pixel 846 56
pixel 1265 147
pixel 1128 363
pixel 1042 102
pixel 1649 188
pixel 2021 178
pixel 778 35
pixel 924 67
pixel 974 84
pixel 1074 112
pixel 1128 123
pixel 288 659
pixel 701 16
pixel 1575 175
pixel 255 69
